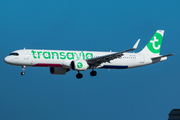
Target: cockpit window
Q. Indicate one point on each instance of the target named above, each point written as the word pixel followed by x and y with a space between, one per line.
pixel 15 54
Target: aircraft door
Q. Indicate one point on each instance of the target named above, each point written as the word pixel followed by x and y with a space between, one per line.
pixel 26 54
pixel 142 59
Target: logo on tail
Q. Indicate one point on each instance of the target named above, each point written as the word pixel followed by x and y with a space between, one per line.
pixel 154 44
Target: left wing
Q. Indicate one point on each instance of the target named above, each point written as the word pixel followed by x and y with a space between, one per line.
pixel 94 62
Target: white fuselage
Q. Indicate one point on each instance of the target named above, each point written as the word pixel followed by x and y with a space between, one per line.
pixel 58 58
pixel 61 61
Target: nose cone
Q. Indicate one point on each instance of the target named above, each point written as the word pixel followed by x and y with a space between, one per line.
pixel 7 60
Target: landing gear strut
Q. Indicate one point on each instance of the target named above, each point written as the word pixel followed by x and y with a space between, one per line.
pixel 93 73
pixel 79 75
pixel 23 69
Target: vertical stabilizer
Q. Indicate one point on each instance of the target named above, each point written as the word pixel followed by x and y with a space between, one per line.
pixel 154 45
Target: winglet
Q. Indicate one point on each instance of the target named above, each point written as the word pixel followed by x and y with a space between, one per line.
pixel 134 47
pixel 136 44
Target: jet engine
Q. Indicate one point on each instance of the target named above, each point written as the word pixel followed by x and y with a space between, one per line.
pixel 79 65
pixel 58 70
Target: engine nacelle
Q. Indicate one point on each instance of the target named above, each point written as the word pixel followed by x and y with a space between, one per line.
pixel 79 65
pixel 58 70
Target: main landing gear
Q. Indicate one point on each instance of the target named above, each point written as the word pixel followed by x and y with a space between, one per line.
pixel 92 73
pixel 23 69
pixel 79 75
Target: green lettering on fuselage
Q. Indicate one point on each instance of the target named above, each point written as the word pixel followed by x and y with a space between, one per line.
pixel 61 55
pixel 33 52
pixel 38 52
pixel 78 57
pixel 53 55
pixel 89 55
pixel 83 55
pixel 70 56
pixel 46 55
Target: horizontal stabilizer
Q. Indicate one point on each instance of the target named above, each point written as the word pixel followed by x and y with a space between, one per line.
pixel 162 56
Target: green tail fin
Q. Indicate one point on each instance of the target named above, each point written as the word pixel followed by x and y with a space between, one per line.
pixel 154 45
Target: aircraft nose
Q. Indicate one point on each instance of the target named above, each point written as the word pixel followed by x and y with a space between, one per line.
pixel 7 59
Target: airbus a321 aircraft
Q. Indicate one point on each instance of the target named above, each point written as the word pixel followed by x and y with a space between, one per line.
pixel 61 61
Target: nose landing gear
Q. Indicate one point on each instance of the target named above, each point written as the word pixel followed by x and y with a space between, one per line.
pixel 23 68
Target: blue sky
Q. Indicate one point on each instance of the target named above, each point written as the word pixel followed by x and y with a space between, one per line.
pixel 145 93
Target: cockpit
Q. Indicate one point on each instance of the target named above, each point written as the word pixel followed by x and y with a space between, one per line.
pixel 14 54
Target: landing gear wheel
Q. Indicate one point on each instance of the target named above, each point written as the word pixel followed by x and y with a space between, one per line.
pixel 93 73
pixel 23 69
pixel 79 75
pixel 22 73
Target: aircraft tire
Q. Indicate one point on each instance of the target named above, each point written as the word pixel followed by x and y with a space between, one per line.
pixel 79 75
pixel 22 73
pixel 93 73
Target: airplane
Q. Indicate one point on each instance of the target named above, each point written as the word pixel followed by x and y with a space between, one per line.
pixel 62 61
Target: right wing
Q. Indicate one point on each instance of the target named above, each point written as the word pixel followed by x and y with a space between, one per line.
pixel 94 62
